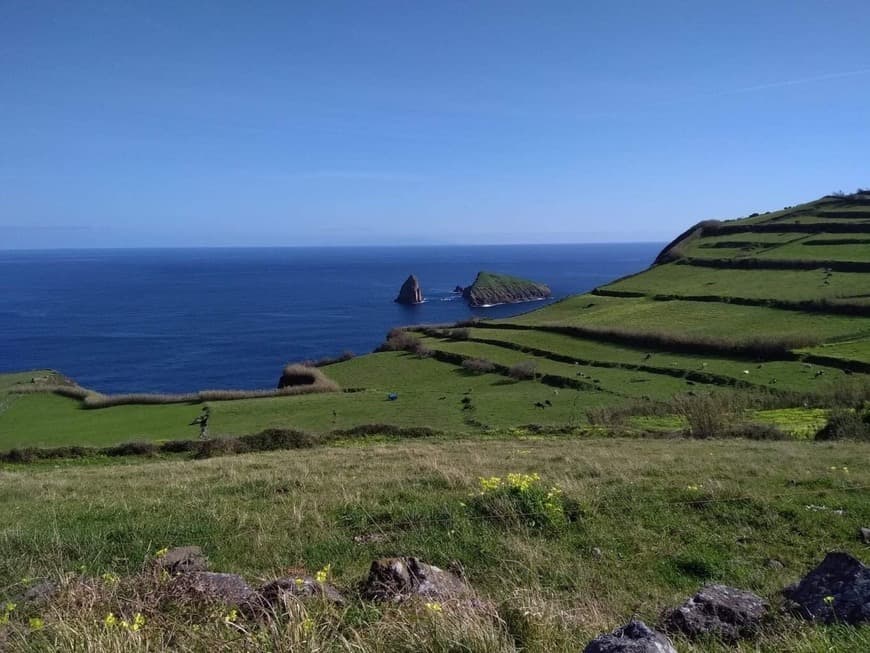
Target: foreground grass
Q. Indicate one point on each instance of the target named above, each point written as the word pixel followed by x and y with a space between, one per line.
pixel 666 516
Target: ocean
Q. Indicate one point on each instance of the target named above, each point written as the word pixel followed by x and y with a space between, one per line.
pixel 178 320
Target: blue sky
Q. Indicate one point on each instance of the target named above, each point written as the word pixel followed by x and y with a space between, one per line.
pixel 288 123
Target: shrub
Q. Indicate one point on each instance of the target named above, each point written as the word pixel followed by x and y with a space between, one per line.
pixel 178 446
pixel 295 374
pixel 400 340
pixel 459 334
pixel 131 449
pixel 387 429
pixel 522 500
pixel 268 440
pixel 606 416
pixel 478 365
pixel 421 350
pixel 707 415
pixel 845 424
pixel 524 370
pixel 757 431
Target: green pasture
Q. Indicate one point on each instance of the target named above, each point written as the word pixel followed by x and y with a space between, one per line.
pixel 690 318
pixel 782 375
pixel 626 383
pixel 783 285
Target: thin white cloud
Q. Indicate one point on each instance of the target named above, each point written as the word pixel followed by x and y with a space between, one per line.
pixel 363 175
pixel 797 82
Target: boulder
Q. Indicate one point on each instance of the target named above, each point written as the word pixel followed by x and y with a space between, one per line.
pixel 634 637
pixel 398 579
pixel 724 612
pixel 410 292
pixel 181 560
pixel 300 587
pixel 838 590
pixel 227 589
pixel 864 534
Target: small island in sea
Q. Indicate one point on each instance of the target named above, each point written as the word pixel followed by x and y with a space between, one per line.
pixel 490 288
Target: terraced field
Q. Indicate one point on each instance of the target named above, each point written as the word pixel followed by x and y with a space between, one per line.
pixel 711 313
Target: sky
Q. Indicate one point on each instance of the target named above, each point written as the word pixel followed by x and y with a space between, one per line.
pixel 150 124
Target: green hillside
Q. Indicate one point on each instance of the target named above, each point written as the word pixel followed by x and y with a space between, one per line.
pixel 775 304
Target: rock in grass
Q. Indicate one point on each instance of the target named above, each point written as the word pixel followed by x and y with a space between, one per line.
pixel 182 560
pixel 724 612
pixel 37 593
pixel 864 534
pixel 300 587
pixel 227 589
pixel 398 579
pixel 634 637
pixel 838 590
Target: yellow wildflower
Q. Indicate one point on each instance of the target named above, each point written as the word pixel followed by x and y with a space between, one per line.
pixel 434 607
pixel 307 625
pixel 323 574
pixel 110 620
pixel 490 484
pixel 829 600
pixel 299 582
pixel 138 622
pixel 110 578
pixel 159 553
pixel 522 482
pixel 231 616
pixel 36 623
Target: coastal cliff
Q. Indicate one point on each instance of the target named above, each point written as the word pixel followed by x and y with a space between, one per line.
pixel 490 288
pixel 410 292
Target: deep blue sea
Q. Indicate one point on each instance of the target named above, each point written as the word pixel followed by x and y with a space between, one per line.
pixel 175 320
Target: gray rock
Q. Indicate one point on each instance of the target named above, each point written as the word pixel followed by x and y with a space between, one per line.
pixel 398 579
pixel 301 587
pixel 724 612
pixel 773 563
pixel 182 560
pixel 838 590
pixel 864 534
pixel 634 637
pixel 410 292
pixel 228 589
pixel 41 591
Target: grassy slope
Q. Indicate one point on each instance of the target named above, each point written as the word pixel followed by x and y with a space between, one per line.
pixel 717 320
pixel 260 514
pixel 499 403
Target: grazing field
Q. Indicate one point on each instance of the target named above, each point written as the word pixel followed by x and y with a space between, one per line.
pixel 782 285
pixel 784 375
pixel 703 319
pixel 653 521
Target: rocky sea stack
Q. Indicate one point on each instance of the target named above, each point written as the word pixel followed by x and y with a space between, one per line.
pixel 410 292
pixel 490 288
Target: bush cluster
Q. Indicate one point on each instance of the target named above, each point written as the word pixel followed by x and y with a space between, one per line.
pixel 845 424
pixel 523 371
pixel 478 365
pixel 523 500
